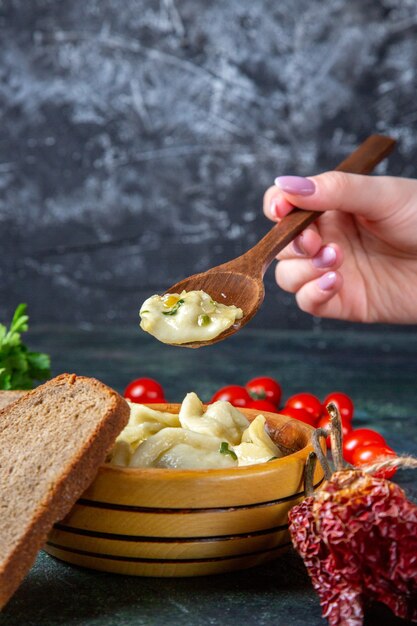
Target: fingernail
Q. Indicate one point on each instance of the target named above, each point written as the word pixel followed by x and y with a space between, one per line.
pixel 297 185
pixel 273 209
pixel 327 281
pixel 279 208
pixel 325 257
pixel 297 245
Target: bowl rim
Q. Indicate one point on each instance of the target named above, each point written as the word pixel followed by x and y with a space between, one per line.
pixel 256 468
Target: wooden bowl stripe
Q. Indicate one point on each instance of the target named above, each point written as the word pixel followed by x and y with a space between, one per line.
pixel 156 548
pixel 148 538
pixel 201 524
pixel 166 511
pixel 208 488
pixel 133 559
pixel 160 568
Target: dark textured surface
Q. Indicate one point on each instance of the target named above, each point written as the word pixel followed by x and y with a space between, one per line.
pixel 138 137
pixel 56 594
pixel 378 370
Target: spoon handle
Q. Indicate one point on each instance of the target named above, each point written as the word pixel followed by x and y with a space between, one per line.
pixel 362 161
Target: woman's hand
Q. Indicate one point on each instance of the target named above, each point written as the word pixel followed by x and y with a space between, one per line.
pixel 358 262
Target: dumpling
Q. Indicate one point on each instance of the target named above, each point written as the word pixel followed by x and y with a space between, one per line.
pixel 257 446
pixel 181 448
pixel 191 406
pixel 120 454
pixel 140 413
pixel 185 456
pixel 221 419
pixel 144 422
pixel 178 318
pixel 219 437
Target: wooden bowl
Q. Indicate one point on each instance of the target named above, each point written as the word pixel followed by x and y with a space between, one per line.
pixel 168 522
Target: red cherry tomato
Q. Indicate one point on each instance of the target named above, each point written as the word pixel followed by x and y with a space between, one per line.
pixel 308 402
pixel 265 388
pixel 324 423
pixel 360 438
pixel 144 391
pixel 343 403
pixel 299 414
pixel 372 454
pixel 235 394
pixel 262 405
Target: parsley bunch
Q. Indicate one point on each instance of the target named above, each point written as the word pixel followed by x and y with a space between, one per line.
pixel 19 368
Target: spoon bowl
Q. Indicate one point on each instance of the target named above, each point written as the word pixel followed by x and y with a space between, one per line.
pixel 240 281
pixel 226 286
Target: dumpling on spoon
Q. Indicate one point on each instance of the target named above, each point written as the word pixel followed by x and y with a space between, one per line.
pixel 186 317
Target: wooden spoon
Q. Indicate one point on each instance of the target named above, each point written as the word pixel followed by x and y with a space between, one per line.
pixel 240 281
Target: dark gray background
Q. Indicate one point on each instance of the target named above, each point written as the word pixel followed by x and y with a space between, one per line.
pixel 137 137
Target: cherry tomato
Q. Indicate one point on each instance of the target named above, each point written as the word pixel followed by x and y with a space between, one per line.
pixel 372 454
pixel 265 388
pixel 308 402
pixel 343 403
pixel 324 422
pixel 262 405
pixel 144 391
pixel 299 414
pixel 235 394
pixel 360 438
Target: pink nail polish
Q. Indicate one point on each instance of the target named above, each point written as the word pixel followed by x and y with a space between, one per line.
pixel 325 257
pixel 327 281
pixel 297 185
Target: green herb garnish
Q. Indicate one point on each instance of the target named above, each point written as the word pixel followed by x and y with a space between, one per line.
pixel 224 449
pixel 203 320
pixel 19 368
pixel 174 309
pixel 142 312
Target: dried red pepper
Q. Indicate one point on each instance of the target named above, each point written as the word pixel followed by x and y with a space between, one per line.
pixel 358 539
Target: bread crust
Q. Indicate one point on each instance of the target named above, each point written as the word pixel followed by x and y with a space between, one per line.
pixel 72 479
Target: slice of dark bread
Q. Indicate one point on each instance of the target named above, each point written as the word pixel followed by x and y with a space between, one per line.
pixel 7 397
pixel 52 441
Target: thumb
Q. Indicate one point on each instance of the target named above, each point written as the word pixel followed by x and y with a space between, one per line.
pixel 373 197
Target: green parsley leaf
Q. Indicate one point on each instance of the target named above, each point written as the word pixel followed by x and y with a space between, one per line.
pixel 19 368
pixel 224 449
